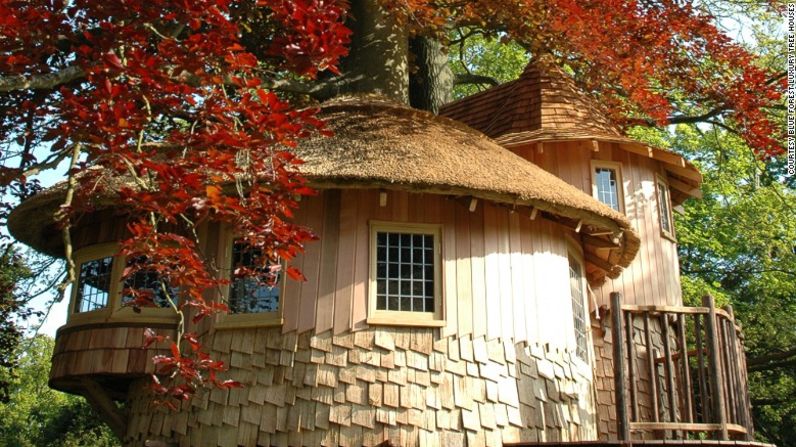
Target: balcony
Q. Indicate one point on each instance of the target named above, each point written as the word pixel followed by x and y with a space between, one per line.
pixel 679 373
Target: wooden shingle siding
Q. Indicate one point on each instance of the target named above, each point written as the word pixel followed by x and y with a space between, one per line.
pixel 102 350
pixel 337 389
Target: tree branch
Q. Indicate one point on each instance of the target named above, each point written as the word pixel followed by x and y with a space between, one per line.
pixel 470 78
pixel 47 81
pixel 764 361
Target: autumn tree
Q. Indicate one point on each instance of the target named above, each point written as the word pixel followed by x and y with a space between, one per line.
pixel 184 112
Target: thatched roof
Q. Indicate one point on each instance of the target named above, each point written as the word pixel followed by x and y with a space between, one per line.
pixel 381 144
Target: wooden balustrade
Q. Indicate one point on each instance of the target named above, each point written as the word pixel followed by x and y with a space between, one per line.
pixel 679 371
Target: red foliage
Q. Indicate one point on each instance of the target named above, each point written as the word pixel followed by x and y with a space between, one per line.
pixel 172 98
pixel 647 61
pixel 173 104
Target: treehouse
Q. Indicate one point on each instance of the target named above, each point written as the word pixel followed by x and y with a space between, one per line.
pixel 503 274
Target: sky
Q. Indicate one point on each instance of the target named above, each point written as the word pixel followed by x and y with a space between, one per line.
pixel 57 315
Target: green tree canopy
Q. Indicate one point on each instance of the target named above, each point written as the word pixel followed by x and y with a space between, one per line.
pixel 37 415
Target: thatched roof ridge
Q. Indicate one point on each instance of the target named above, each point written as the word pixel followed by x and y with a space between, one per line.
pixel 381 144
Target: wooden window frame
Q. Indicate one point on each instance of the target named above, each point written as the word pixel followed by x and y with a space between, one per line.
pixel 660 182
pixel 575 251
pixel 620 183
pixel 228 320
pixel 114 311
pixel 378 317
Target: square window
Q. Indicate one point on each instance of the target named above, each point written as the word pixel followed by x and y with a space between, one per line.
pixel 405 270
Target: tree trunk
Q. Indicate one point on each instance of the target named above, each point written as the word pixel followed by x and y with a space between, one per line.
pixel 377 60
pixel 431 80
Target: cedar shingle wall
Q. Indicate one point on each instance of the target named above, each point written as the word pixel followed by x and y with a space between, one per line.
pixel 408 386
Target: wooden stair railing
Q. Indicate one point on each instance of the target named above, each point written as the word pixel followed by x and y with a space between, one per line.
pixel 679 371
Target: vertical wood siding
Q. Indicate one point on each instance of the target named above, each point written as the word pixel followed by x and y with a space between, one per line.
pixel 653 277
pixel 504 276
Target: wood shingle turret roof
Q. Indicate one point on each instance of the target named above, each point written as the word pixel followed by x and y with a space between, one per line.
pixel 545 105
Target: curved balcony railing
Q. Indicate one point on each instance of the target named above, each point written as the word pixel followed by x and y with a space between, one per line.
pixel 679 371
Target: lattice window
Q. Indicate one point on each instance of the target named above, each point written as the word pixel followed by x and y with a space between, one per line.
pixel 665 209
pixel 405 271
pixel 607 186
pixel 578 295
pixel 94 284
pixel 148 281
pixel 253 294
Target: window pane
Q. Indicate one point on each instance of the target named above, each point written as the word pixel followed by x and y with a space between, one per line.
pixel 93 284
pixel 664 207
pixel 148 282
pixel 607 187
pixel 255 293
pixel 578 307
pixel 381 301
pixel 408 281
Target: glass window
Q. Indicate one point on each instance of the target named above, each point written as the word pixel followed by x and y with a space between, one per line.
pixel 405 271
pixel 665 208
pixel 148 282
pixel 578 295
pixel 607 190
pixel 252 294
pixel 93 284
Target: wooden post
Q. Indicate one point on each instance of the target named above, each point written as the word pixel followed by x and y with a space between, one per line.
pixel 739 370
pixel 681 329
pixel 716 380
pixel 668 370
pixel 703 382
pixel 98 398
pixel 653 369
pixel 622 421
pixel 631 368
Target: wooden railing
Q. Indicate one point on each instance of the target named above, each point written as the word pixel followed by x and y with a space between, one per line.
pixel 679 371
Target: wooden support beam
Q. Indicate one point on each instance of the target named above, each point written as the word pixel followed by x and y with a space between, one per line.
pixel 99 399
pixel 690 174
pixel 640 149
pixel 657 154
pixel 622 420
pixel 598 262
pixel 598 242
pixel 684 187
